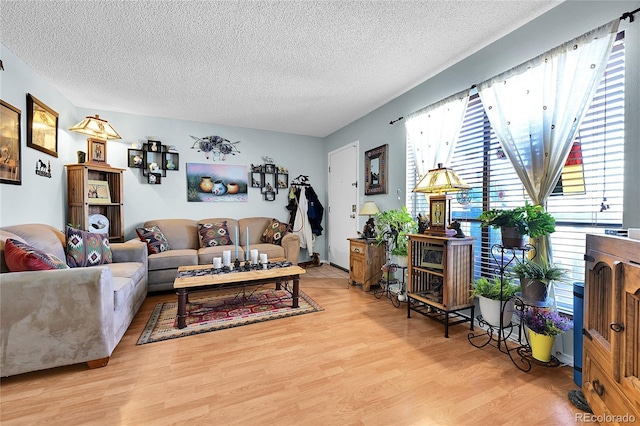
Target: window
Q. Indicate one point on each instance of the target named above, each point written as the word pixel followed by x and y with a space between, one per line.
pixel 588 200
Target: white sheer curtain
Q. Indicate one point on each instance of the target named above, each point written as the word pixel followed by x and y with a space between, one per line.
pixel 536 108
pixel 433 131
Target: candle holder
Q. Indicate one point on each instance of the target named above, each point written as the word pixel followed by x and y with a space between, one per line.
pixel 236 263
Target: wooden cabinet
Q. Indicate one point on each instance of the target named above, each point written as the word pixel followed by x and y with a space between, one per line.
pixel 611 328
pixel 441 278
pixel 366 258
pixel 96 190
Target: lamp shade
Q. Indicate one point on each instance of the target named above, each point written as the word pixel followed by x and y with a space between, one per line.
pixel 369 208
pixel 96 127
pixel 440 180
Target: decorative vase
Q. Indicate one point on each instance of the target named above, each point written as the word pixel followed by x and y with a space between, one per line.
pixel 219 188
pixel 205 184
pixel 233 188
pixel 511 237
pixel 492 311
pixel 533 291
pixel 541 346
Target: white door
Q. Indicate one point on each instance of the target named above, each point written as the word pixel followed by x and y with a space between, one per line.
pixel 343 203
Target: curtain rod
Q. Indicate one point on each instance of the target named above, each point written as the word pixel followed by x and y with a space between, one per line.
pixel 625 15
pixel 630 15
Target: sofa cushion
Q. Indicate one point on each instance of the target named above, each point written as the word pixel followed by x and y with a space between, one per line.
pixel 125 276
pixel 22 257
pixel 172 259
pixel 155 239
pixel 87 248
pixel 214 234
pixel 274 232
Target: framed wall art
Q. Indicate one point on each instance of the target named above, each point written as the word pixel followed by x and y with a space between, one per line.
pixel 97 150
pixel 10 155
pixel 98 192
pixel 42 126
pixel 375 171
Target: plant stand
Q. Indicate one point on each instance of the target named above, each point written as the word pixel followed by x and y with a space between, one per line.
pixel 517 346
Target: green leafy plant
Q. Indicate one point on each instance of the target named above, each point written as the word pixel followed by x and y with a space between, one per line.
pixel 395 222
pixel 528 220
pixel 491 288
pixel 541 271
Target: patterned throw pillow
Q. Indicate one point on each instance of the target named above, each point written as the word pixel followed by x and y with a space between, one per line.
pixel 22 257
pixel 274 232
pixel 214 234
pixel 155 239
pixel 87 248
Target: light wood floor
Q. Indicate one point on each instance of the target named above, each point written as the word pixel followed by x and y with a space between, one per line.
pixel 361 361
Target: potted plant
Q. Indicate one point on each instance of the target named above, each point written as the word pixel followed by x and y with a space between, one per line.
pixel 544 325
pixel 535 278
pixel 494 298
pixel 393 227
pixel 516 223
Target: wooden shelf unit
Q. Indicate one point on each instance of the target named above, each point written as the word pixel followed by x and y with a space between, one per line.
pixel 441 278
pixel 79 204
pixel 611 328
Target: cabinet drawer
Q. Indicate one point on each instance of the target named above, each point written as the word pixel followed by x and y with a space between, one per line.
pixel 358 249
pixel 602 393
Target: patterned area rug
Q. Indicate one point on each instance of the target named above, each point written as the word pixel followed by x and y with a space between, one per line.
pixel 216 311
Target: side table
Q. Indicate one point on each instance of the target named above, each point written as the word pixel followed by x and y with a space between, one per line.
pixel 366 258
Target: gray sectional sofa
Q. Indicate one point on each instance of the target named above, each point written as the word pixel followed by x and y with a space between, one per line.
pixel 66 316
pixel 183 239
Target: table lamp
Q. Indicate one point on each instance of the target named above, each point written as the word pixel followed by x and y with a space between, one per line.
pixel 99 131
pixel 369 208
pixel 439 181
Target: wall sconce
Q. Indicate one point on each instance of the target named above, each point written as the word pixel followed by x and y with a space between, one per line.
pixel 369 208
pixel 217 145
pixel 99 132
pixel 440 181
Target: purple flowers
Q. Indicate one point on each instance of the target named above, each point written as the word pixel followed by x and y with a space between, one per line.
pixel 544 321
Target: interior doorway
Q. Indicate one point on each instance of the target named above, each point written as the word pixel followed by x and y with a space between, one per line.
pixel 343 203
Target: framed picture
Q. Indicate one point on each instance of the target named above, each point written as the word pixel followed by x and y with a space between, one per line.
pixel 10 158
pixel 270 196
pixel 135 158
pixel 98 192
pixel 42 127
pixel 97 150
pixel 375 171
pixel 433 257
pixel 154 178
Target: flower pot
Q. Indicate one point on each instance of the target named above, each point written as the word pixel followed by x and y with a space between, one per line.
pixel 402 261
pixel 534 292
pixel 541 346
pixel 492 311
pixel 511 237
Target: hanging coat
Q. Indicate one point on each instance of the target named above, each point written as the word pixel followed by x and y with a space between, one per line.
pixel 302 225
pixel 315 212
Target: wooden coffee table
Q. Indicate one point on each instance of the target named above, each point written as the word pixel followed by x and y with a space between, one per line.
pixel 184 282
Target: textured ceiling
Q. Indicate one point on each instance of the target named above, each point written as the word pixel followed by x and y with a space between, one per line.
pixel 305 67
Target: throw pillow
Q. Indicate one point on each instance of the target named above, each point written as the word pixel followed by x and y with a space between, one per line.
pixel 87 248
pixel 214 234
pixel 155 239
pixel 274 232
pixel 22 257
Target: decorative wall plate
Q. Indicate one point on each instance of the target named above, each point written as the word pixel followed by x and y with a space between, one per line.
pixel 98 224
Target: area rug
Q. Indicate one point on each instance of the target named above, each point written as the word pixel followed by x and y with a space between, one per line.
pixel 216 311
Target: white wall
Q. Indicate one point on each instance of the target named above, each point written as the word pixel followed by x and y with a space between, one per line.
pixel 43 200
pixel 562 23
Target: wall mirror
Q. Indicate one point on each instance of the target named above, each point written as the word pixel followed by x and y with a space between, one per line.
pixel 375 171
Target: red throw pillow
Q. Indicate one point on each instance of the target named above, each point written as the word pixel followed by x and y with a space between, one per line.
pixel 22 257
pixel 214 234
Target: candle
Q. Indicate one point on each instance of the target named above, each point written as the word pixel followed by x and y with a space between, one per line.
pixel 237 240
pixel 246 253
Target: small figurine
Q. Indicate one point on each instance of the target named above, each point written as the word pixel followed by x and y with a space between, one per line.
pixel 369 230
pixel 423 223
pixel 455 225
